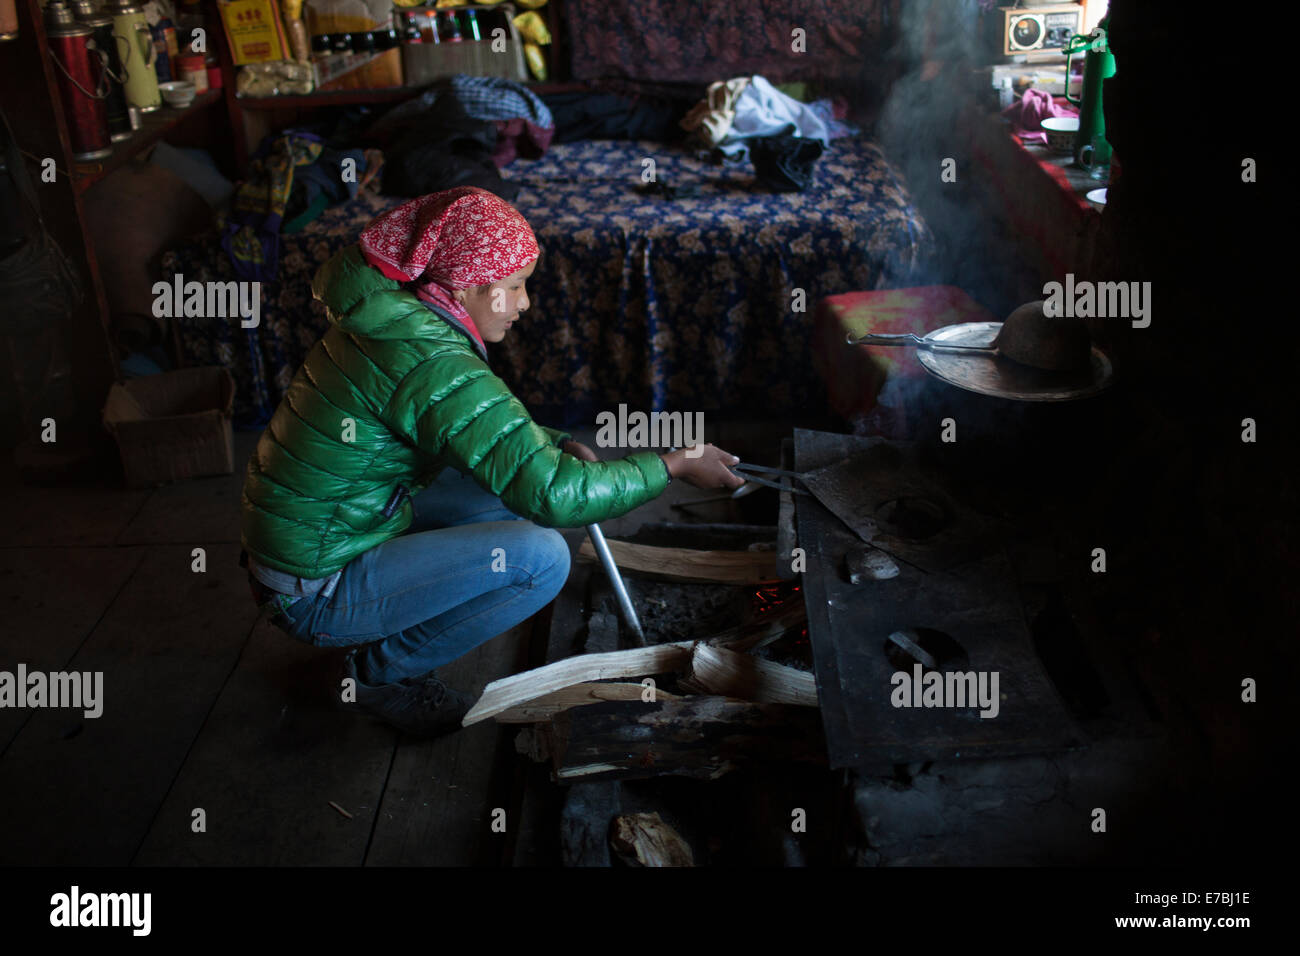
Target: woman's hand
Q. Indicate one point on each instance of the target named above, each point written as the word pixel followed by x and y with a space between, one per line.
pixel 708 470
pixel 578 450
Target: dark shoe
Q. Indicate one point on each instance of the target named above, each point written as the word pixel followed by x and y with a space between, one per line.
pixel 420 706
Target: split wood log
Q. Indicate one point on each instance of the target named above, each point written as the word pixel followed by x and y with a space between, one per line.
pixel 588 692
pixel 511 694
pixel 500 695
pixel 644 839
pixel 700 737
pixel 687 564
pixel 717 670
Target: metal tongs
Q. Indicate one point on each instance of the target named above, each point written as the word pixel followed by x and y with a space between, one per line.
pixel 747 471
pixel 752 483
pixel 916 341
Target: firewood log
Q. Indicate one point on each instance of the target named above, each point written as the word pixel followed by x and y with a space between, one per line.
pixel 644 838
pixel 717 670
pixel 688 564
pixel 700 737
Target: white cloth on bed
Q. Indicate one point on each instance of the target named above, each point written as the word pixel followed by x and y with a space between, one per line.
pixel 763 110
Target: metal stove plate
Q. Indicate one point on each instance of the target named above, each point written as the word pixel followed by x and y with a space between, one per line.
pixel 978 605
pixel 1003 378
pixel 858 490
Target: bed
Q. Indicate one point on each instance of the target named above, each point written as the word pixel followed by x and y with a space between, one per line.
pixel 686 304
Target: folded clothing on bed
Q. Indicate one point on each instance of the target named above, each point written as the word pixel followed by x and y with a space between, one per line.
pixel 496 98
pixel 737 111
pixel 510 118
pixel 443 147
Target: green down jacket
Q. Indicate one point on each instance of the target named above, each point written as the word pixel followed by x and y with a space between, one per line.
pixel 393 393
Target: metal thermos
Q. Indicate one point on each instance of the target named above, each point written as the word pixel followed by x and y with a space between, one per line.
pixel 137 52
pixel 101 34
pixel 79 70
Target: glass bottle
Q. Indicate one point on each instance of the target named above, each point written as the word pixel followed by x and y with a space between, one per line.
pixel 471 22
pixel 411 32
pixel 450 29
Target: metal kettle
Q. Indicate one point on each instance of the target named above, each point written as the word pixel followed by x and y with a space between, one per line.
pixel 1098 64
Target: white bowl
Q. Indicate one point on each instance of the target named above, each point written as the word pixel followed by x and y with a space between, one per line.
pixel 178 94
pixel 1098 198
pixel 1060 132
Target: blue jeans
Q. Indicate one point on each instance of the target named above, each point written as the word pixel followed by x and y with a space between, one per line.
pixel 466 570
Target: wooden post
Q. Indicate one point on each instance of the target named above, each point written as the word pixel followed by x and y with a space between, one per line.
pixel 31 102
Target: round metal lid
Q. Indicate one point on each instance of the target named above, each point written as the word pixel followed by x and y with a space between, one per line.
pixel 59 21
pixel 1003 378
pixel 86 13
pixel 116 8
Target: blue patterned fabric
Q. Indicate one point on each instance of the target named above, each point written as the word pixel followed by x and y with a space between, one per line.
pixel 496 98
pixel 668 305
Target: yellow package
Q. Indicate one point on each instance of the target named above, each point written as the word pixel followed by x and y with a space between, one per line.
pixel 253 31
pixel 536 61
pixel 346 16
pixel 532 28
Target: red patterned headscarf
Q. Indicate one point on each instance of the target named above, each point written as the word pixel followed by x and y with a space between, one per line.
pixel 454 239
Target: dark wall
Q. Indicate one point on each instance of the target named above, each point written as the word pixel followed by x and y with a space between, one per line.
pixel 1203 523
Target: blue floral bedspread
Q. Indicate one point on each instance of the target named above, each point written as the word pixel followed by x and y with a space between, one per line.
pixel 686 304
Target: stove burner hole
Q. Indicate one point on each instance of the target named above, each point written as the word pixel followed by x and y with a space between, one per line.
pixel 912 518
pixel 941 649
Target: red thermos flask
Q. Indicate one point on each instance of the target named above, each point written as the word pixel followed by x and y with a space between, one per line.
pixel 102 39
pixel 83 82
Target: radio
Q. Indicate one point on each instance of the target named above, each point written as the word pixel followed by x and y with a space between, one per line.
pixel 1036 32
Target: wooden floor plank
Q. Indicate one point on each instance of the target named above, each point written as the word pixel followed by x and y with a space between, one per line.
pixel 205 509
pixel 437 809
pixel 34 517
pixel 273 754
pixel 165 647
pixel 43 627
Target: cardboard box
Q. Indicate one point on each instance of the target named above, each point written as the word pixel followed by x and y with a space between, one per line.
pixel 173 425
pixel 423 63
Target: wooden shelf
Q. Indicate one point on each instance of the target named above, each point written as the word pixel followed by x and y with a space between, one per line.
pixel 332 98
pixel 386 94
pixel 153 127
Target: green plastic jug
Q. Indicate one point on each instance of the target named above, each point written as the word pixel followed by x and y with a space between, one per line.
pixel 1098 64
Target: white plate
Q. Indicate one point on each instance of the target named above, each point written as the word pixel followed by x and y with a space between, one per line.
pixel 1097 196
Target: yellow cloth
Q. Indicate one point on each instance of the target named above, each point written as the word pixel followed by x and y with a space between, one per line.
pixel 711 118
